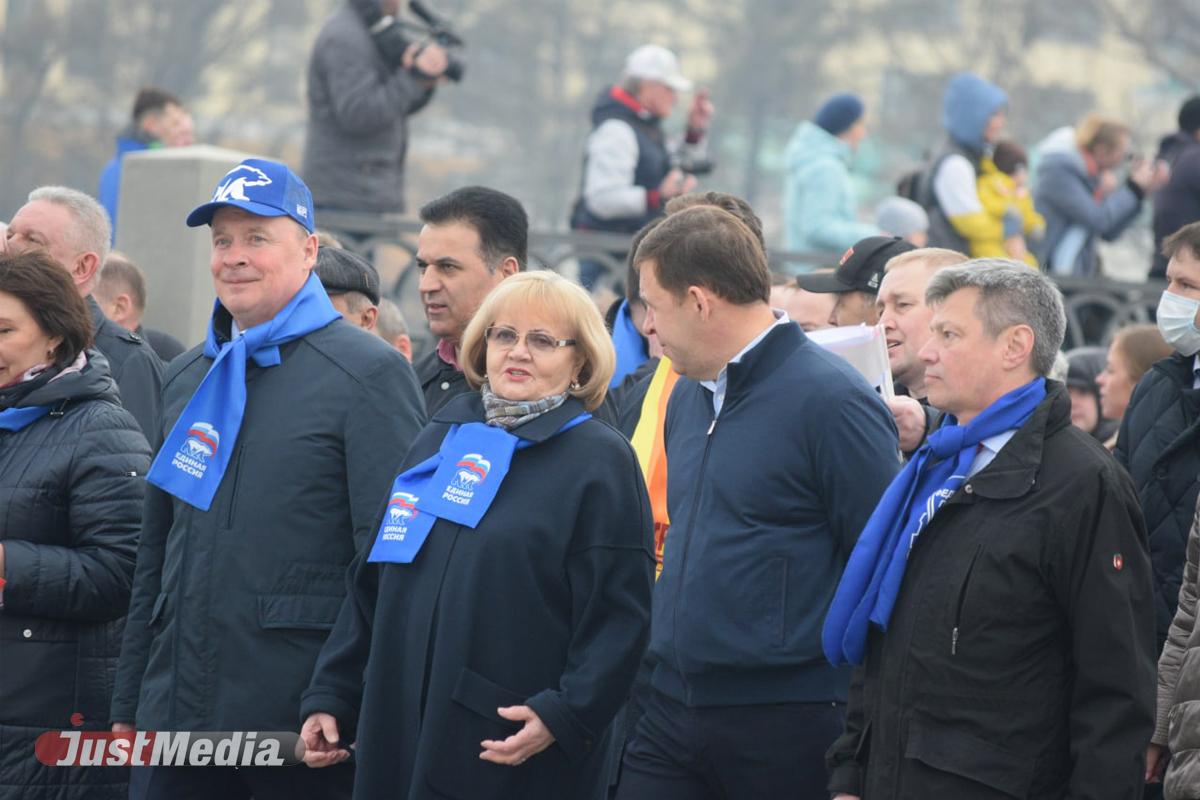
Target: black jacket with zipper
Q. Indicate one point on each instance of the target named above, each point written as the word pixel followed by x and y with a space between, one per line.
pixel 1019 658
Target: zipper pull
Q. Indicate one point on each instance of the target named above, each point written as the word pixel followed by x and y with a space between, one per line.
pixel 711 426
pixel 954 641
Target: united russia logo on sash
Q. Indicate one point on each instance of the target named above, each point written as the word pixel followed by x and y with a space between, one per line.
pixel 471 470
pixel 197 450
pixel 401 509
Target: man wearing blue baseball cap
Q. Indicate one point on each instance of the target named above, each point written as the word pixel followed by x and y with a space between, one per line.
pixel 278 437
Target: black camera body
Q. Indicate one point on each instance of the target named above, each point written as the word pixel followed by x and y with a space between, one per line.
pixel 391 36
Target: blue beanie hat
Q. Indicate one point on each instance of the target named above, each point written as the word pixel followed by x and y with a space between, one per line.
pixel 969 102
pixel 839 112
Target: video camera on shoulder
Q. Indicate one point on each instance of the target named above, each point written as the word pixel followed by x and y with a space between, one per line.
pixel 392 36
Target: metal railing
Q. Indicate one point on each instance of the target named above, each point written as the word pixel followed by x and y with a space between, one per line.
pixel 1096 307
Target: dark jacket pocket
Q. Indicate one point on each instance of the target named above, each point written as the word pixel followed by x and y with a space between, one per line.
pixel 160 608
pixel 951 763
pixel 470 717
pixel 775 589
pixel 38 679
pixel 483 696
pixel 297 612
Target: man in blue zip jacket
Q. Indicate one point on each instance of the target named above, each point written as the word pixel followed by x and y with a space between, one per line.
pixel 778 452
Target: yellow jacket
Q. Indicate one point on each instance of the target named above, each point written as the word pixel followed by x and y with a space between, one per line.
pixel 997 194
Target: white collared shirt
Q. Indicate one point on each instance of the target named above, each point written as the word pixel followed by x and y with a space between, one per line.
pixel 989 449
pixel 718 386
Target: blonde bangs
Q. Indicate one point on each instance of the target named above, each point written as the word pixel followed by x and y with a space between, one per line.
pixel 545 293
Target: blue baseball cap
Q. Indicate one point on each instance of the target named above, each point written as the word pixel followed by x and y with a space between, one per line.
pixel 265 188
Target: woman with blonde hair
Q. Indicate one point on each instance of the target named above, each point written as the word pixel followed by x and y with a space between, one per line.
pixel 494 628
pixel 1134 350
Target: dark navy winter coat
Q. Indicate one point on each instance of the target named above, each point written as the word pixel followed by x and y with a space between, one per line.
pixel 545 603
pixel 1159 444
pixel 231 605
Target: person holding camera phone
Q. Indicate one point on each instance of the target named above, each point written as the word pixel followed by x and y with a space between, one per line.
pixel 364 81
pixel 1079 192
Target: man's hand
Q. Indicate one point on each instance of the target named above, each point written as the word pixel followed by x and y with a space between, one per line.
pixel 1156 763
pixel 846 797
pixel 701 113
pixel 675 184
pixel 529 741
pixel 429 59
pixel 1162 175
pixel 1150 176
pixel 320 735
pixel 910 421
pixel 1108 182
pixel 123 727
pixel 1016 248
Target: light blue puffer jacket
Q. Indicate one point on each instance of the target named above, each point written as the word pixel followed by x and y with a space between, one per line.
pixel 818 196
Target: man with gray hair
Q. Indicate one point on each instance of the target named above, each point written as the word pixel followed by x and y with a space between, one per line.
pixel 999 601
pixel 392 328
pixel 73 228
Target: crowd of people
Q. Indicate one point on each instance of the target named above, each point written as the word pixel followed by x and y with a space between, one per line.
pixel 671 549
pixel 976 194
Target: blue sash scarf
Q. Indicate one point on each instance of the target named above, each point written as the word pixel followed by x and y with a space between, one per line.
pixel 868 589
pixel 14 419
pixel 193 458
pixel 457 483
pixel 630 347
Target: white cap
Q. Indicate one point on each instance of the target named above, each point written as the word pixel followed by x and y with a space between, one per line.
pixel 653 63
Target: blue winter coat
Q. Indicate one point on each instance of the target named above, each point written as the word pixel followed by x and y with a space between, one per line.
pixel 1064 195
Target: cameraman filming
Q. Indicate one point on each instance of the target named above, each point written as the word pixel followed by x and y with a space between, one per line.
pixel 360 95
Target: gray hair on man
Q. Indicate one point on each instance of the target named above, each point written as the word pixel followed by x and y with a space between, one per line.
pixel 390 322
pixel 92 231
pixel 1010 293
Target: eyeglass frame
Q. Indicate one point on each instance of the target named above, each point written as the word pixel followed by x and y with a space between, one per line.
pixel 558 343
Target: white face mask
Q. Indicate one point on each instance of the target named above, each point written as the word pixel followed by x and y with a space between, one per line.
pixel 1177 323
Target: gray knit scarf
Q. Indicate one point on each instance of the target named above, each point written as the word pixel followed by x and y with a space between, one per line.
pixel 508 414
